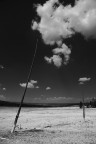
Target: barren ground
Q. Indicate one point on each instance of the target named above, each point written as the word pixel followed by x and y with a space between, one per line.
pixel 48 126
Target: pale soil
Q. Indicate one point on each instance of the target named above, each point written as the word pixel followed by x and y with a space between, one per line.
pixel 48 126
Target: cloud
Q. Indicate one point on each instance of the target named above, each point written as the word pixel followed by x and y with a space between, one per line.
pixel 83 18
pixel 37 98
pixel 63 21
pixel 65 51
pixel 33 81
pixel 4 89
pixel 1 67
pixel 2 97
pixel 57 99
pixel 81 83
pixel 49 60
pixel 55 59
pixel 51 26
pixel 48 88
pixel 84 79
pixel 31 84
pixel 42 95
pixel 43 99
pixel 88 98
pixel 57 53
pixel 58 22
pixel 37 87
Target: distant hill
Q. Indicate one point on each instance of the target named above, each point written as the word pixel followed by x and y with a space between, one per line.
pixel 16 104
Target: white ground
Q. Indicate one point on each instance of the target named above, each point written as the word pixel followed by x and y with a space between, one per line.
pixel 48 126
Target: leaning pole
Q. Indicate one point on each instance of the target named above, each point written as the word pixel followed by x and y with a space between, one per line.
pixel 23 96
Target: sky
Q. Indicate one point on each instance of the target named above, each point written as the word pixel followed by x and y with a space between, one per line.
pixel 66 50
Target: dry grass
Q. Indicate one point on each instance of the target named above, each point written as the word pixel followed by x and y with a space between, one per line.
pixel 48 126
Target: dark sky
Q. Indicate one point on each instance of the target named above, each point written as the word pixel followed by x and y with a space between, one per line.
pixel 17 46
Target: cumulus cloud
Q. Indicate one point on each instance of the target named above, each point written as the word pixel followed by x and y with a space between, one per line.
pixel 1 67
pixel 83 80
pixel 4 89
pixel 48 88
pixel 62 21
pixel 31 84
pixel 49 60
pixel 57 99
pixel 88 98
pixel 2 97
pixel 44 99
pixel 58 22
pixel 81 83
pixel 33 81
pixel 55 59
pixel 65 51
pixel 84 21
pixel 37 87
pixel 51 26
